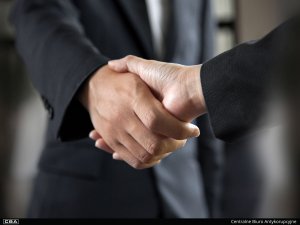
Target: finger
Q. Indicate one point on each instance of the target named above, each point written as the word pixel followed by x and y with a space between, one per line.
pixel 161 157
pixel 149 71
pixel 131 64
pixel 119 65
pixel 123 153
pixel 94 135
pixel 116 156
pixel 157 119
pixel 153 143
pixel 111 143
pixel 100 143
pixel 141 67
pixel 136 149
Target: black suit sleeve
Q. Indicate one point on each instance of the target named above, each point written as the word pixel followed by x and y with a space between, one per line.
pixel 235 83
pixel 59 57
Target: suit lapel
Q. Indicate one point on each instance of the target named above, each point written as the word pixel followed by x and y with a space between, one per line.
pixel 137 15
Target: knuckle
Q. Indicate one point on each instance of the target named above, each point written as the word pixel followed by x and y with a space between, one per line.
pixel 132 128
pixel 129 57
pixel 154 147
pixel 138 165
pixel 145 157
pixel 115 116
pixel 151 120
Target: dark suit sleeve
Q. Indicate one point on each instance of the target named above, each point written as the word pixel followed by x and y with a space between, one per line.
pixel 59 57
pixel 235 85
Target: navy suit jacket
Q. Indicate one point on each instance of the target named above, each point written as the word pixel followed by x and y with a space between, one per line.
pixel 62 42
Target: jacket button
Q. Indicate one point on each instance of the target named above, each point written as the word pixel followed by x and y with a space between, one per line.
pixel 50 113
pixel 48 108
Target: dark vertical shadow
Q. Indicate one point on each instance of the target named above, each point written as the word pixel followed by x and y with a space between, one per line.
pixel 289 84
pixel 13 90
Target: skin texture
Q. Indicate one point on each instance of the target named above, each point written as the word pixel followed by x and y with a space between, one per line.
pixel 129 121
pixel 177 87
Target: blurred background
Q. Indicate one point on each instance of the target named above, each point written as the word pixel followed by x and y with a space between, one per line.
pixel 23 119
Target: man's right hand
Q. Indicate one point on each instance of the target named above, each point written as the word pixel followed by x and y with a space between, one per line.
pixel 130 120
pixel 178 87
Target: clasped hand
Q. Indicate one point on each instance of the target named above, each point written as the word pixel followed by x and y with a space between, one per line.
pixel 141 109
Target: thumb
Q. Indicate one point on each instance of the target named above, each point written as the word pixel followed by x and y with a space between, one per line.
pixel 130 64
pixel 147 70
pixel 119 65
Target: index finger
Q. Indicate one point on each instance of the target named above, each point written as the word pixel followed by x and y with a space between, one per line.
pixel 156 118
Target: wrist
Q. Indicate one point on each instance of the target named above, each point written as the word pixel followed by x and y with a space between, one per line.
pixel 86 93
pixel 194 90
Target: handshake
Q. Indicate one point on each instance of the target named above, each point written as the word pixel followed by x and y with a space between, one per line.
pixel 141 109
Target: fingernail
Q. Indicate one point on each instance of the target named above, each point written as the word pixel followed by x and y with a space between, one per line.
pixel 97 144
pixel 111 62
pixel 91 135
pixel 196 130
pixel 116 156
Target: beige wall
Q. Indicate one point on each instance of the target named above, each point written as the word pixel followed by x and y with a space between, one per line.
pixel 255 18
